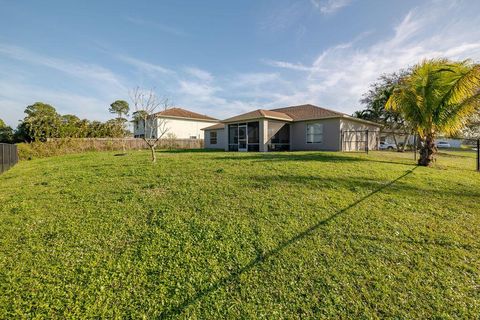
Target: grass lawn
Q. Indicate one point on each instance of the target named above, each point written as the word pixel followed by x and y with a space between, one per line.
pixel 240 235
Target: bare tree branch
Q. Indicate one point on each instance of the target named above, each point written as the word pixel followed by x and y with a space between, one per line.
pixel 147 106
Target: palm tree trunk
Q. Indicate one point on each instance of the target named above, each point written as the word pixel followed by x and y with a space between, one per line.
pixel 427 151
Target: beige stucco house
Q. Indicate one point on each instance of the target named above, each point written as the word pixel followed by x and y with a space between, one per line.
pixel 303 127
pixel 181 123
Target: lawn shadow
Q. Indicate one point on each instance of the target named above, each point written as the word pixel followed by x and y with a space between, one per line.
pixel 189 151
pixel 178 309
pixel 423 242
pixel 456 155
pixel 317 157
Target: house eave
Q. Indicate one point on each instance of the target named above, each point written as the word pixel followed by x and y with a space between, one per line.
pixel 255 119
pixel 186 118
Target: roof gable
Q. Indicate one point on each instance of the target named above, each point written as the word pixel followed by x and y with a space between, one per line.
pixel 259 114
pixel 308 112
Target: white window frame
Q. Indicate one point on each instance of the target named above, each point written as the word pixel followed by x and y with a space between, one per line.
pixel 313 135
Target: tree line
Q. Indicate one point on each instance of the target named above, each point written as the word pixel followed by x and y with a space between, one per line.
pixel 42 121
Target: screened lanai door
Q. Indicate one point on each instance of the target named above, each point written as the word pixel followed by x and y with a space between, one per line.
pixel 244 136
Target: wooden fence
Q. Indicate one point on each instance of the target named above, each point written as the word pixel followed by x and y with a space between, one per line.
pixel 8 156
pixel 100 144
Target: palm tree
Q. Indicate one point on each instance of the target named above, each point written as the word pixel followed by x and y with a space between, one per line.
pixel 437 96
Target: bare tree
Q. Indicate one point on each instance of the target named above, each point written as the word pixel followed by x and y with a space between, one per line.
pixel 147 105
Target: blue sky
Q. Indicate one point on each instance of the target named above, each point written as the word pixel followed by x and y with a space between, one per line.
pixel 219 57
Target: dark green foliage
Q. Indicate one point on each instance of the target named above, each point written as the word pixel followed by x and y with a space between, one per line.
pixel 43 122
pixel 213 235
pixel 6 133
pixel 120 108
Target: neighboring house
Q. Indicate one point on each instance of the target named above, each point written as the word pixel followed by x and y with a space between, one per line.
pixel 181 123
pixel 304 127
pixel 387 137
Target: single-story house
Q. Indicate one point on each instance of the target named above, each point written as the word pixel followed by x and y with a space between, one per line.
pixel 181 123
pixel 303 127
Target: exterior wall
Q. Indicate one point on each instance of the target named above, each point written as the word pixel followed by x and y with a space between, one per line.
pixel 186 129
pixel 373 134
pixel 221 142
pixel 331 136
pixel 181 128
pixel 388 138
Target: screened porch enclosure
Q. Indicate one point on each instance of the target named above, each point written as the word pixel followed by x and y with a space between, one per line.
pixel 244 136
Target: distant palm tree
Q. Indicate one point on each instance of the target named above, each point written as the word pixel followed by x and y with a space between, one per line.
pixel 437 96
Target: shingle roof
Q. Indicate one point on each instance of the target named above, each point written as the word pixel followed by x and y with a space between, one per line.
pixel 308 112
pixel 294 113
pixel 257 114
pixel 182 113
pixel 215 127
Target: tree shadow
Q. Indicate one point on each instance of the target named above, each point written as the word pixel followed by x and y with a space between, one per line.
pixel 354 183
pixel 178 309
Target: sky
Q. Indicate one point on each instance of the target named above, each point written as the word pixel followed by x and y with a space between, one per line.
pixel 219 57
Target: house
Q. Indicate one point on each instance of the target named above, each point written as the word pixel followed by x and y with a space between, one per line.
pixel 181 123
pixel 303 127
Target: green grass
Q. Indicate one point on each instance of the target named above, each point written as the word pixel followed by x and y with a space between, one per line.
pixel 236 235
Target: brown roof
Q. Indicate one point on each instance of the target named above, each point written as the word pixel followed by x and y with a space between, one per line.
pixel 260 113
pixel 215 127
pixel 182 113
pixel 295 113
pixel 308 112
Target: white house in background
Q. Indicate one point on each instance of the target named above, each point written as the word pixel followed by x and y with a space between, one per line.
pixel 181 123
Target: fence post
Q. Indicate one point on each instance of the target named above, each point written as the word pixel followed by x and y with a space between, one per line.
pixel 415 147
pixel 366 145
pixel 3 156
pixel 341 140
pixel 478 155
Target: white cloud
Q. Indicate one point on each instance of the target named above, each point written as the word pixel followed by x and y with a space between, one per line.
pixel 254 79
pixel 330 6
pixel 287 65
pixel 144 66
pixel 158 26
pixel 199 73
pixel 78 70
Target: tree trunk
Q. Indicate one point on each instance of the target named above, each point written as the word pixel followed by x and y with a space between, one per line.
pixel 405 141
pixel 427 152
pixel 395 141
pixel 154 156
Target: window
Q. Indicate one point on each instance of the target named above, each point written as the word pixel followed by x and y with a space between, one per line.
pixel 213 137
pixel 314 133
pixel 193 137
